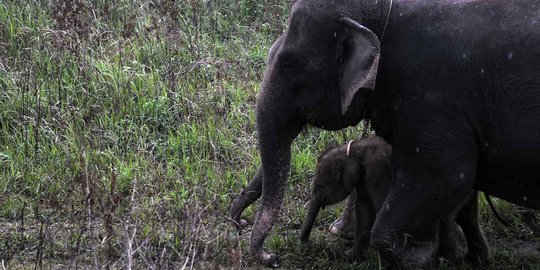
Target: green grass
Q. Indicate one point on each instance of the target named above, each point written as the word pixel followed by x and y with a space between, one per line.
pixel 127 127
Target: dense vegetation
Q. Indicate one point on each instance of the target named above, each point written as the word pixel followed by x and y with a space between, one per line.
pixel 126 128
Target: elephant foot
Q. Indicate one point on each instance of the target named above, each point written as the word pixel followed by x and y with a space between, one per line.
pixel 239 223
pixel 350 254
pixel 268 259
pixel 420 256
pixel 478 253
pixel 449 259
pixel 344 226
pixel 477 259
pixel 354 255
pixel 247 196
pixel 415 255
pixel 448 256
pixel 235 212
pixel 304 237
pixel 447 262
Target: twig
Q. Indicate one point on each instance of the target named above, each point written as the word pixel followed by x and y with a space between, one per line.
pixel 495 212
pixel 193 257
pixel 129 238
pixel 82 230
pixel 89 211
pixel 129 246
pixel 39 254
pixel 187 259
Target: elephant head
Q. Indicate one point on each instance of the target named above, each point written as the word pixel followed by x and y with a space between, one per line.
pixel 321 71
pixel 336 177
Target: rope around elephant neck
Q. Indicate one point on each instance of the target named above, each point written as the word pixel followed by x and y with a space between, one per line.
pixel 387 19
pixel 349 148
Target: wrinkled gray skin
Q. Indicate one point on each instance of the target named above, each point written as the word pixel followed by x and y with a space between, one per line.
pixel 343 226
pixel 367 169
pixel 453 85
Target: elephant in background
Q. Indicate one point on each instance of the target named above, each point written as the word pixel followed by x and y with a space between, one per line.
pixel 453 86
pixel 365 166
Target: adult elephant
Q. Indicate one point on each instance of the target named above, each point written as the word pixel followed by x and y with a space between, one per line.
pixel 454 86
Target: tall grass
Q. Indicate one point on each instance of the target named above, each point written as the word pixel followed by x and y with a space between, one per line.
pixel 126 128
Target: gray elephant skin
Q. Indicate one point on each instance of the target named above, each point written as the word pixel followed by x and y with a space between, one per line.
pixel 453 86
pixel 364 166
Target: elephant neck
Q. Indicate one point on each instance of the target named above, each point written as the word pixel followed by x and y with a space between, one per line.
pixel 352 151
pixel 380 16
pixel 367 104
pixel 376 14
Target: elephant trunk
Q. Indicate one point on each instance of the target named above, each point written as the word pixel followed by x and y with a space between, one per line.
pixel 278 125
pixel 313 211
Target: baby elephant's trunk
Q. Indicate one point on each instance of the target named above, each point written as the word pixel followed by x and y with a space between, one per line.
pixel 310 220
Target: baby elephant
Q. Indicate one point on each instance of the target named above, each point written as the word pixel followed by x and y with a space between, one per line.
pixel 364 166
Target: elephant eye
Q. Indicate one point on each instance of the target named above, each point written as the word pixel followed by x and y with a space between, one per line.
pixel 289 61
pixel 288 65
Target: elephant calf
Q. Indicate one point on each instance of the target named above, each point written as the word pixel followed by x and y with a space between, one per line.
pixel 365 166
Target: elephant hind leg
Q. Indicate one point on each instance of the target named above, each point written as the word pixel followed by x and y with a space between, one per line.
pixel 344 225
pixel 448 231
pixel 467 218
pixel 408 223
pixel 448 242
pixel 250 194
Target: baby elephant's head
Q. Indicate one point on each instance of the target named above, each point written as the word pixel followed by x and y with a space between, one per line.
pixel 336 176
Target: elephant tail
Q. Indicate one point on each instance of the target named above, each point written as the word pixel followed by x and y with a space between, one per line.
pixel 494 210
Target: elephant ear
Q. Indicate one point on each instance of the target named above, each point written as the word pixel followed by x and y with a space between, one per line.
pixel 350 171
pixel 360 62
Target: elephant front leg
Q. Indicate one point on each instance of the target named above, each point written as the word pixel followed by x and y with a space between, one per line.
pixel 275 172
pixel 272 199
pixel 364 218
pixel 248 196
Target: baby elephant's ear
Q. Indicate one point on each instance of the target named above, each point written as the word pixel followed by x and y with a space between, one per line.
pixel 341 164
pixel 360 61
pixel 351 169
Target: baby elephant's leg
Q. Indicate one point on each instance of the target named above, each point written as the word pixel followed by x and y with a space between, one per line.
pixel 365 217
pixel 344 225
pixel 467 218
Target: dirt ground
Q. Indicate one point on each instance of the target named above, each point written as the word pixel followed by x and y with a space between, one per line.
pixel 219 246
